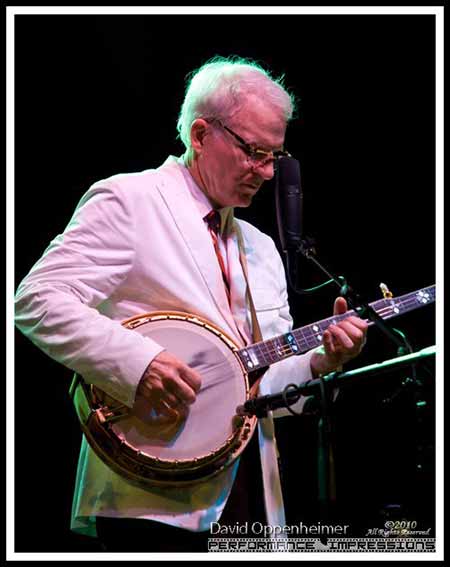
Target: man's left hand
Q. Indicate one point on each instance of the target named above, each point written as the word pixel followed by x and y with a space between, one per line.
pixel 341 342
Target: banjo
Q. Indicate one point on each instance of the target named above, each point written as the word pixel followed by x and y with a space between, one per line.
pixel 151 450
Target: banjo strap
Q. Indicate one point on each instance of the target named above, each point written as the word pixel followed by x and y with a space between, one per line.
pixel 273 495
pixel 256 329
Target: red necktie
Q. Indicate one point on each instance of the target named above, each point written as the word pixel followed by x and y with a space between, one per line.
pixel 213 220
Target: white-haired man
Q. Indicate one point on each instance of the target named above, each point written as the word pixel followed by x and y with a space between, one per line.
pixel 141 242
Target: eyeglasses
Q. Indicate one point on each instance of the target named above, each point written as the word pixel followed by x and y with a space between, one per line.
pixel 255 156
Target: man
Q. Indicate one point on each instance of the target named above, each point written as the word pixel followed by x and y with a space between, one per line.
pixel 143 242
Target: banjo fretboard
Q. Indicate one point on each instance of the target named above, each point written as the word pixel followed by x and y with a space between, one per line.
pixel 265 353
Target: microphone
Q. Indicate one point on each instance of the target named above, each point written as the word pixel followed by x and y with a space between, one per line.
pixel 289 202
pixel 289 209
pixel 284 399
pixel 259 406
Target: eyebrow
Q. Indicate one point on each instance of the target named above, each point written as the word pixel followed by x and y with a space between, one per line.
pixel 253 145
pixel 262 147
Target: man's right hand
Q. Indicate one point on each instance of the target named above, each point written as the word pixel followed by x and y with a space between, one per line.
pixel 169 385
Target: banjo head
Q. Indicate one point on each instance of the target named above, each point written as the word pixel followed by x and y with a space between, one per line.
pixel 150 449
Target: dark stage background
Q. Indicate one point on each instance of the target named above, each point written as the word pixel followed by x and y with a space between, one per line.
pixel 99 95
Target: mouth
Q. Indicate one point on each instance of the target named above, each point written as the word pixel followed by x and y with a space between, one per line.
pixel 253 188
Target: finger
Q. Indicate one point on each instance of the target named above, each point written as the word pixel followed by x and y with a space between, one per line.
pixel 328 343
pixel 340 337
pixel 169 415
pixel 340 306
pixel 167 409
pixel 154 393
pixel 175 384
pixel 149 387
pixel 352 330
pixel 191 377
pixel 162 409
pixel 168 374
pixel 357 328
pixel 165 363
pixel 358 322
pixel 179 412
pixel 171 400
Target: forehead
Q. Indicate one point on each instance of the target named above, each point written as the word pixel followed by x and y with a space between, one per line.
pixel 259 124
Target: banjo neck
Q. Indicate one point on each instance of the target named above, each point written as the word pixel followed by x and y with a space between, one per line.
pixel 264 353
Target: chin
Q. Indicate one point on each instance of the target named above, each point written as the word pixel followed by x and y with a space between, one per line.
pixel 243 202
pixel 246 198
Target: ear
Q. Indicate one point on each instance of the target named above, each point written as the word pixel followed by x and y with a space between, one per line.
pixel 199 130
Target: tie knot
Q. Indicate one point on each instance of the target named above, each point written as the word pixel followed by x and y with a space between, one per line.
pixel 213 219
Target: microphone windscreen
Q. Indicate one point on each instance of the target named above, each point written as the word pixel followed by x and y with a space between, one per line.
pixel 289 202
pixel 288 171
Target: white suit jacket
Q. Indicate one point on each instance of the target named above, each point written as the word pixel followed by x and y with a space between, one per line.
pixel 136 243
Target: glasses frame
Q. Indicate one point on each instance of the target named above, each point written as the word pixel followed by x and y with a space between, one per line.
pixel 256 156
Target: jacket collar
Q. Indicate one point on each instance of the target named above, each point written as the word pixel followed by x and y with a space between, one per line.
pixel 174 187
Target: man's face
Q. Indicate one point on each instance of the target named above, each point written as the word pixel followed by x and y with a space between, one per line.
pixel 228 176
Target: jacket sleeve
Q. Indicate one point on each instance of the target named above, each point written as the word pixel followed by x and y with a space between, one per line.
pixel 58 304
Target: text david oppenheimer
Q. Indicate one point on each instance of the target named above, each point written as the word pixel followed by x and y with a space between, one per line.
pixel 258 528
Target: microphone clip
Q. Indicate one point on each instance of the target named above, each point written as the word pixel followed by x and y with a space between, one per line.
pixel 307 246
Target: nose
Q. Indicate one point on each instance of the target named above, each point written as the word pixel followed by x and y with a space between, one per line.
pixel 265 170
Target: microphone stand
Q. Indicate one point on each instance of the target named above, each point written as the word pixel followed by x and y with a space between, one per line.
pixel 306 247
pixel 317 401
pixel 327 485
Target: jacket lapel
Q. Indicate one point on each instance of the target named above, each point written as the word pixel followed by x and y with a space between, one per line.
pixel 175 193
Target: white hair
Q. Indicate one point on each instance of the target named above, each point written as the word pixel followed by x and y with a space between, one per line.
pixel 220 87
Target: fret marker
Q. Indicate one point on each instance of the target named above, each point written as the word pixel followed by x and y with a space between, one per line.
pixel 423 297
pixel 248 362
pixel 394 307
pixel 319 337
pixel 254 358
pixel 292 342
pixel 315 328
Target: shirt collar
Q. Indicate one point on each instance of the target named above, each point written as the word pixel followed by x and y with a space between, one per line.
pixel 202 202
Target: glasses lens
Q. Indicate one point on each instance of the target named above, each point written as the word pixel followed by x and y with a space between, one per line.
pixel 260 157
